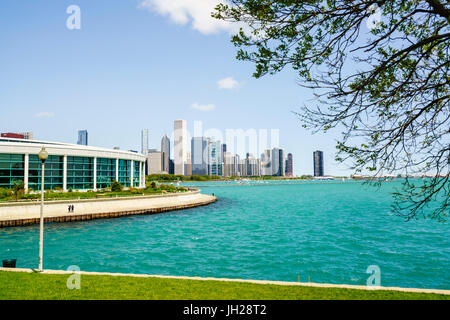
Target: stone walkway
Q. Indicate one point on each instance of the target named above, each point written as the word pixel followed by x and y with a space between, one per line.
pixel 19 214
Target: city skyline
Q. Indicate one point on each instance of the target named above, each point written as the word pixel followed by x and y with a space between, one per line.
pixel 209 156
pixel 113 92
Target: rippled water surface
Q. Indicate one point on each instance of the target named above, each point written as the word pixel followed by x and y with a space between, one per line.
pixel 327 231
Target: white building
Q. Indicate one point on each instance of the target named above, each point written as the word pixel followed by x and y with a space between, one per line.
pixel 144 141
pixel 180 146
pixel 68 166
pixel 154 163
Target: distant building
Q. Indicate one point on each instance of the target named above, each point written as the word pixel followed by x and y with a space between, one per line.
pixel 171 166
pixel 144 141
pixel 278 163
pixel 24 135
pixel 318 164
pixel 228 162
pixel 154 162
pixel 224 149
pixel 188 169
pixel 180 146
pixel 215 158
pixel 266 164
pixel 290 165
pixel 165 153
pixel 82 137
pixel 199 155
pixel 253 166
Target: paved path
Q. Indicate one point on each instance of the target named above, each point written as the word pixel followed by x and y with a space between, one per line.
pixel 18 214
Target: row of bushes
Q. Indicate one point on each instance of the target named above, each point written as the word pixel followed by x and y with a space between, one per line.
pixel 173 177
pixel 18 192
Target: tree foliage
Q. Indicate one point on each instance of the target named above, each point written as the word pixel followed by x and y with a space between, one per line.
pixel 116 186
pixel 384 83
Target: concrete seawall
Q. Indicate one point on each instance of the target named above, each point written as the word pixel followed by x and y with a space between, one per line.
pixel 21 214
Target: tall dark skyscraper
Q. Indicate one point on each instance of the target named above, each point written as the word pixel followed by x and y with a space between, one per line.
pixel 318 164
pixel 224 149
pixel 165 153
pixel 171 166
pixel 82 137
pixel 290 165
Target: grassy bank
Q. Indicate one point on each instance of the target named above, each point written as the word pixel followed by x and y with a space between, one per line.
pixel 20 285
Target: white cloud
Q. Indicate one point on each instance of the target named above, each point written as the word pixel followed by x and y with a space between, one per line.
pixel 198 12
pixel 227 83
pixel 203 107
pixel 44 115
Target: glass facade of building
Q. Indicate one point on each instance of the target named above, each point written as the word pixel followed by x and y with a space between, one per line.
pixel 106 172
pixel 54 168
pixel 136 179
pixel 125 172
pixel 80 173
pixel 215 158
pixel 11 169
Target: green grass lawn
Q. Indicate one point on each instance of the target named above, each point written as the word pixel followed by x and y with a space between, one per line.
pixel 21 285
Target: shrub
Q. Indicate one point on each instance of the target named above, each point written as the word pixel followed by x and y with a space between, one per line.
pixel 18 189
pixel 134 190
pixel 4 193
pixel 116 186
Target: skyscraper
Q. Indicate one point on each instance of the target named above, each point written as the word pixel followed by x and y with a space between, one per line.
pixel 228 162
pixel 215 164
pixel 290 165
pixel 318 163
pixel 188 167
pixel 180 137
pixel 278 162
pixel 82 137
pixel 199 155
pixel 224 149
pixel 153 162
pixel 165 153
pixel 144 141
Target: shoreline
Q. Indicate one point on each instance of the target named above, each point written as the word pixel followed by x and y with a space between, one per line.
pixel 22 214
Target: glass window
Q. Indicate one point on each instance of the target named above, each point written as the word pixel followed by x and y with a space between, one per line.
pixel 11 169
pixel 80 173
pixel 136 175
pixel 106 172
pixel 125 172
pixel 54 167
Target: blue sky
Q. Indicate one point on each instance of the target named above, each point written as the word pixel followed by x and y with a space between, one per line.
pixel 138 64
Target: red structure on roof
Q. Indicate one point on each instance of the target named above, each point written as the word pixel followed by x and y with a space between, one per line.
pixel 13 135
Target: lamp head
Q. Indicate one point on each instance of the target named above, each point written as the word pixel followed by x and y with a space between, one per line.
pixel 43 155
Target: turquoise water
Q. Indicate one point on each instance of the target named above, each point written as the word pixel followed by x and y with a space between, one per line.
pixel 327 231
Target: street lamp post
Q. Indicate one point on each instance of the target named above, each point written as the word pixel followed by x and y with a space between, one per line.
pixel 43 155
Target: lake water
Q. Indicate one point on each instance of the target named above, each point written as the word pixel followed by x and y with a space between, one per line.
pixel 331 232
